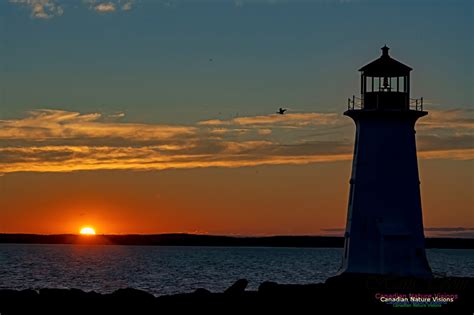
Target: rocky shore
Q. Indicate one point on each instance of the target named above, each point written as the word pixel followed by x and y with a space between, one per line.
pixel 349 294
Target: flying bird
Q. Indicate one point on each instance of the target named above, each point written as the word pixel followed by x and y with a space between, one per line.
pixel 281 111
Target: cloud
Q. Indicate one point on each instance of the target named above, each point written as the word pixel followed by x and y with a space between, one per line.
pixel 264 132
pixel 105 7
pixel 109 6
pixel 127 5
pixel 67 159
pixel 60 141
pixel 292 120
pixel 458 119
pixel 47 124
pixel 223 131
pixel 41 9
pixel 446 134
pixel 46 9
pixel 450 140
pixel 460 154
pixel 116 115
pixel 49 140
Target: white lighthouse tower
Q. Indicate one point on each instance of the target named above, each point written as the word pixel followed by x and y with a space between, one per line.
pixel 384 230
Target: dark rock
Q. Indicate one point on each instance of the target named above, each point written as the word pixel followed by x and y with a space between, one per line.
pixel 202 292
pixel 267 286
pixel 132 294
pixel 28 294
pixel 24 295
pixel 238 287
pixel 18 302
pixel 54 293
pixel 347 294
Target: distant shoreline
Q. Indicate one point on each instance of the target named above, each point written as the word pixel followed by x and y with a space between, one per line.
pixel 209 240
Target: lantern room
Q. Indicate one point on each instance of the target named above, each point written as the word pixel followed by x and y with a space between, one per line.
pixel 385 84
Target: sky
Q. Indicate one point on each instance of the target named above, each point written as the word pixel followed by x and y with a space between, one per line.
pixel 141 116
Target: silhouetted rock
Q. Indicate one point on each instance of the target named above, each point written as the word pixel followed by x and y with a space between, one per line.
pixel 28 294
pixel 238 287
pixel 202 291
pixel 347 294
pixel 134 294
pixel 267 286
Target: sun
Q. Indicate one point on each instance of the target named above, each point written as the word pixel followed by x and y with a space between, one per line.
pixel 87 231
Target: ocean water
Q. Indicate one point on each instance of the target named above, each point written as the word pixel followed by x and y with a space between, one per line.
pixel 166 269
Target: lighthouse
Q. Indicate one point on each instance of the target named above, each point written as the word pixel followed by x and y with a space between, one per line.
pixel 384 229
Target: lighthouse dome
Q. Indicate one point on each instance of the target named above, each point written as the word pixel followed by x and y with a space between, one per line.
pixel 385 66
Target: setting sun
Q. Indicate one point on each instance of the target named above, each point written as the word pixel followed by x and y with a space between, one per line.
pixel 87 231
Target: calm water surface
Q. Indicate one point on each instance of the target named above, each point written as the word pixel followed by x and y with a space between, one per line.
pixel 166 270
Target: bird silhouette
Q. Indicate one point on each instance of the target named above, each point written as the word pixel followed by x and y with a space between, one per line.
pixel 281 111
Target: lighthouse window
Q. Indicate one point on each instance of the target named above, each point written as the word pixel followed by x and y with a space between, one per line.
pixel 376 84
pixel 384 84
pixel 401 84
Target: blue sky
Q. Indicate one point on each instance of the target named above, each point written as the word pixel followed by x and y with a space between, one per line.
pixel 152 61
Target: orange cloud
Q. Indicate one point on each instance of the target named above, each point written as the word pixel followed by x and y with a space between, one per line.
pixel 62 141
pixel 46 124
pixel 448 119
pixel 41 9
pixel 264 132
pixel 46 9
pixel 460 154
pixel 292 119
pixel 67 159
pixel 105 7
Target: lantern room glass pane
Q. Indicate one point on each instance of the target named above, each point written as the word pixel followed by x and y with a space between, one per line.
pixel 376 84
pixel 368 84
pixel 393 84
pixel 401 84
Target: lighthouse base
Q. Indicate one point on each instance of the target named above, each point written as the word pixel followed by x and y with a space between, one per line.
pixel 392 251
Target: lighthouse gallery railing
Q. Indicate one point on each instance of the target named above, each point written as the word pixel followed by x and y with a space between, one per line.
pixel 356 103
